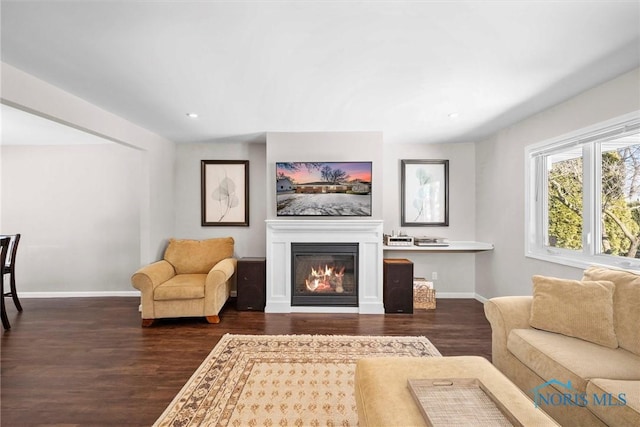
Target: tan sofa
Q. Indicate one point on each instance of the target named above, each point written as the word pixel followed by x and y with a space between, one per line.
pixel 574 346
pixel 193 280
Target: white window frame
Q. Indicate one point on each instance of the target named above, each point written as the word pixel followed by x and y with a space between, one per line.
pixel 536 200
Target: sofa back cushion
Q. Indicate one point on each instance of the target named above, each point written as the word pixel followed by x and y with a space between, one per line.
pixel 197 256
pixel 580 309
pixel 626 304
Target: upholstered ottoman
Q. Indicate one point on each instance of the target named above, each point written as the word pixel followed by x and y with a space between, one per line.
pixel 383 398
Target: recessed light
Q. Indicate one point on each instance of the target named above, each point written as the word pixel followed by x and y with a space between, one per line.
pixel 454 115
pixel 192 115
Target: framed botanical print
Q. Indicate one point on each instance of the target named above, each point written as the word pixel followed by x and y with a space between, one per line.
pixel 224 192
pixel 425 193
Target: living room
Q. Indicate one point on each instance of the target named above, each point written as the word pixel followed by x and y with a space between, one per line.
pixel 171 205
pixel 108 204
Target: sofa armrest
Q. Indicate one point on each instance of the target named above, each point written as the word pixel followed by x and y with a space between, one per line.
pixel 152 275
pixel 505 314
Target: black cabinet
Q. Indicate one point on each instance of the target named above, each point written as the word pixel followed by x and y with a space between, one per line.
pixel 251 284
pixel 398 286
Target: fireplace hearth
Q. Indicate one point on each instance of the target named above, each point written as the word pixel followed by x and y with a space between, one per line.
pixel 324 274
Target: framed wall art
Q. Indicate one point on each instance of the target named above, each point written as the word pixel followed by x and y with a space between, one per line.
pixel 224 192
pixel 425 193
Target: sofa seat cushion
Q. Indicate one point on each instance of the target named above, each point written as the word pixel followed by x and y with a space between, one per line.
pixel 623 408
pixel 556 356
pixel 182 286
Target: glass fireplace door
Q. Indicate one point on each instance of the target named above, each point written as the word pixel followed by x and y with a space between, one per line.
pixel 324 274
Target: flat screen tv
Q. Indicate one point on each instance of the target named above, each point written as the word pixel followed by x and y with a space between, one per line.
pixel 323 188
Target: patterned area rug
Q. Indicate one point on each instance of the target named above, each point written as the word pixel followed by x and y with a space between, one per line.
pixel 283 380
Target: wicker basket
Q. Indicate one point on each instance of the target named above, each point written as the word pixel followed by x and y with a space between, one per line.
pixel 423 296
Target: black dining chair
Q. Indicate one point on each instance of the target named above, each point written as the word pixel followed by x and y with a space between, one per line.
pixel 4 248
pixel 9 267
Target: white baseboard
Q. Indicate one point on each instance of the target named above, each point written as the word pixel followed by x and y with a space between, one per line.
pixel 458 295
pixel 93 294
pixel 98 294
pixel 481 298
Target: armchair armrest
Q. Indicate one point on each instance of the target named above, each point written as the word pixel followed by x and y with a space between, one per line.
pixel 152 275
pixel 221 272
pixel 218 287
pixel 505 314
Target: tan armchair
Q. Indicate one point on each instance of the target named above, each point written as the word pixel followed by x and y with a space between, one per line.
pixel 193 280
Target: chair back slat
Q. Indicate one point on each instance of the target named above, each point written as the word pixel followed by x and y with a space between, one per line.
pixel 5 242
pixel 12 249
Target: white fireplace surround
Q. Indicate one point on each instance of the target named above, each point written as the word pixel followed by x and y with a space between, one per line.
pixel 280 235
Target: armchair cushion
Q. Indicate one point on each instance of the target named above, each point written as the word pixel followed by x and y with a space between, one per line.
pixel 197 256
pixel 182 286
pixel 590 317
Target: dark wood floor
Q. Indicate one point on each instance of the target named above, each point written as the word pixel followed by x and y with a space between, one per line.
pixel 87 361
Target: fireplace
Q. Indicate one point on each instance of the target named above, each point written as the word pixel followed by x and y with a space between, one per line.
pixel 324 274
pixel 282 234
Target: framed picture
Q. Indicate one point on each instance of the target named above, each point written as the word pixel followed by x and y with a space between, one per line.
pixel 425 193
pixel 225 192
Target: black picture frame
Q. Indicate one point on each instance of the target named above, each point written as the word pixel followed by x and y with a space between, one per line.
pixel 425 193
pixel 224 192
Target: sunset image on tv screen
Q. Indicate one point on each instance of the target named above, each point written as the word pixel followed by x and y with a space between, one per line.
pixel 323 188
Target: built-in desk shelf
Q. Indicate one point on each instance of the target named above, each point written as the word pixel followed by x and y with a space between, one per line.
pixel 454 246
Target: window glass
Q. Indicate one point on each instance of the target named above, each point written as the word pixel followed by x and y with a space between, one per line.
pixel 620 201
pixel 564 200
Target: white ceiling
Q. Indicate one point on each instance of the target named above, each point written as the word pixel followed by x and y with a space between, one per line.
pixel 248 67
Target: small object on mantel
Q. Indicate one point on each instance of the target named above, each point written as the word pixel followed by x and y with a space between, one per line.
pixel 430 241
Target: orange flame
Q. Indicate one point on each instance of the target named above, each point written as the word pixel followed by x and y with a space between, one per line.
pixel 325 279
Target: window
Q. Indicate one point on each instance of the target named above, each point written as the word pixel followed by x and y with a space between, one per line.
pixel 583 196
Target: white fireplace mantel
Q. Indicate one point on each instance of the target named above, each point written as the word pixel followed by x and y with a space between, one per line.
pixel 280 235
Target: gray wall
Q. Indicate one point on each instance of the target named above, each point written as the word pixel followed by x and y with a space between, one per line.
pixel 500 183
pixel 154 179
pixel 249 241
pixel 455 271
pixel 78 210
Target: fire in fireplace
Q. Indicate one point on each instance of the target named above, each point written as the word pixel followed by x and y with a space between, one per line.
pixel 324 274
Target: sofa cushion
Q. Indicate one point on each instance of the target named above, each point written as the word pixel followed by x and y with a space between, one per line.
pixel 197 256
pixel 626 300
pixel 574 308
pixel 556 356
pixel 623 408
pixel 182 286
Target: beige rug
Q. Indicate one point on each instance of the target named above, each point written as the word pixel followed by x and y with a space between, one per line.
pixel 283 380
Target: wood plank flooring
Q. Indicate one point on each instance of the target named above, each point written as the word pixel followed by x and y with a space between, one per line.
pixel 87 361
